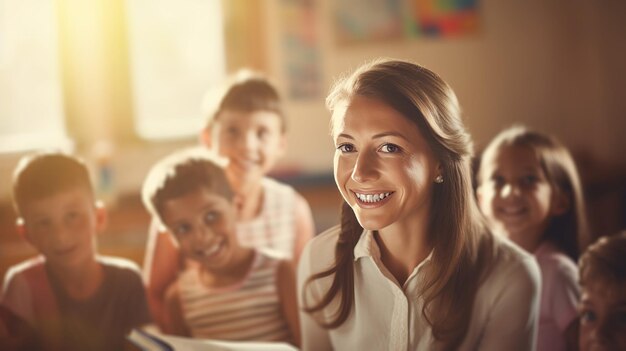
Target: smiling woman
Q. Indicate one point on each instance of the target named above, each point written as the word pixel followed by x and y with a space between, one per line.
pixel 412 257
pixel 381 152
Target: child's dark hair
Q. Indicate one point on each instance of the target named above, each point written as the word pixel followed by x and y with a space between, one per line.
pixel 569 231
pixel 180 174
pixel 47 173
pixel 605 261
pixel 247 91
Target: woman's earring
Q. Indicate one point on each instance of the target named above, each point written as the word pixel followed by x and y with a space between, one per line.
pixel 439 179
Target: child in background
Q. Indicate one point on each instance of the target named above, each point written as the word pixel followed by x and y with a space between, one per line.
pixel 247 126
pixel 529 191
pixel 602 307
pixel 411 267
pixel 75 299
pixel 232 292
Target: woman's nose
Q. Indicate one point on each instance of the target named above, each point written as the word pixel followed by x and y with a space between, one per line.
pixel 365 168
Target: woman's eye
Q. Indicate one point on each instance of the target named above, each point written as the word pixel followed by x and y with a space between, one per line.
pixel 345 148
pixel 390 148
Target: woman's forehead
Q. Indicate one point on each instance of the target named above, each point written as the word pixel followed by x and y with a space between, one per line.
pixel 363 114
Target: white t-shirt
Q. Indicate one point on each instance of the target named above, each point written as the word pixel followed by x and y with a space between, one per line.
pixel 386 316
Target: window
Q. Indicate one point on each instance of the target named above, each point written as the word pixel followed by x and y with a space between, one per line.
pixel 31 112
pixel 176 55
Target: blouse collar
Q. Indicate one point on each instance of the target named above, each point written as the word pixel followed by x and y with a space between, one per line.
pixel 368 247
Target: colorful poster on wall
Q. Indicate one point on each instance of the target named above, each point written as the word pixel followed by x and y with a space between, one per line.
pixel 300 45
pixel 443 18
pixel 368 20
pixel 362 21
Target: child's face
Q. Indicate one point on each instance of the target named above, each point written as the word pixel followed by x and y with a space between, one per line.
pixel 602 317
pixel 383 166
pixel 252 142
pixel 204 225
pixel 514 193
pixel 63 227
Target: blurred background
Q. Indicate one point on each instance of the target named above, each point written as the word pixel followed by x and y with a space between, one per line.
pixel 122 83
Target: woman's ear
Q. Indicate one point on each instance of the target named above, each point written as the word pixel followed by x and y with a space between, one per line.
pixel 560 203
pixel 102 216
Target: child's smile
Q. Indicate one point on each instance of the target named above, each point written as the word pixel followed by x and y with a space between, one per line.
pixel 210 252
pixel 203 224
pixel 514 194
pixel 63 226
pixel 252 142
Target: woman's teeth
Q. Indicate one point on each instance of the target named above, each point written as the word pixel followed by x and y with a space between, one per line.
pixel 372 197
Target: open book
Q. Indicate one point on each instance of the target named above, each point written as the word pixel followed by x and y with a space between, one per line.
pixel 149 339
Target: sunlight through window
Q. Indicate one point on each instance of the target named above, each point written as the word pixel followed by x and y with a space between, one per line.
pixel 176 54
pixel 31 108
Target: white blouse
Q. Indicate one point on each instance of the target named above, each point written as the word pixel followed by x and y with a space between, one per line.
pixel 387 316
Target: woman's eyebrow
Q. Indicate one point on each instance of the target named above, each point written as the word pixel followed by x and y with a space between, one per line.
pixel 344 135
pixel 386 134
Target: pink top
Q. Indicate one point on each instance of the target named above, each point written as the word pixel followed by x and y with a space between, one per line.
pixel 559 296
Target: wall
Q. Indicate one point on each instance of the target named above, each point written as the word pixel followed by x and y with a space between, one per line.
pixel 557 66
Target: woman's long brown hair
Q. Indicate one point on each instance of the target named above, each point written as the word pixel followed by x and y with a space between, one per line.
pixel 463 250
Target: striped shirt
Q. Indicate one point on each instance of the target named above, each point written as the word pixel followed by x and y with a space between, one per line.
pixel 247 311
pixel 274 228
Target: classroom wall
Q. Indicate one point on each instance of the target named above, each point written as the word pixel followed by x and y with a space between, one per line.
pixel 557 66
